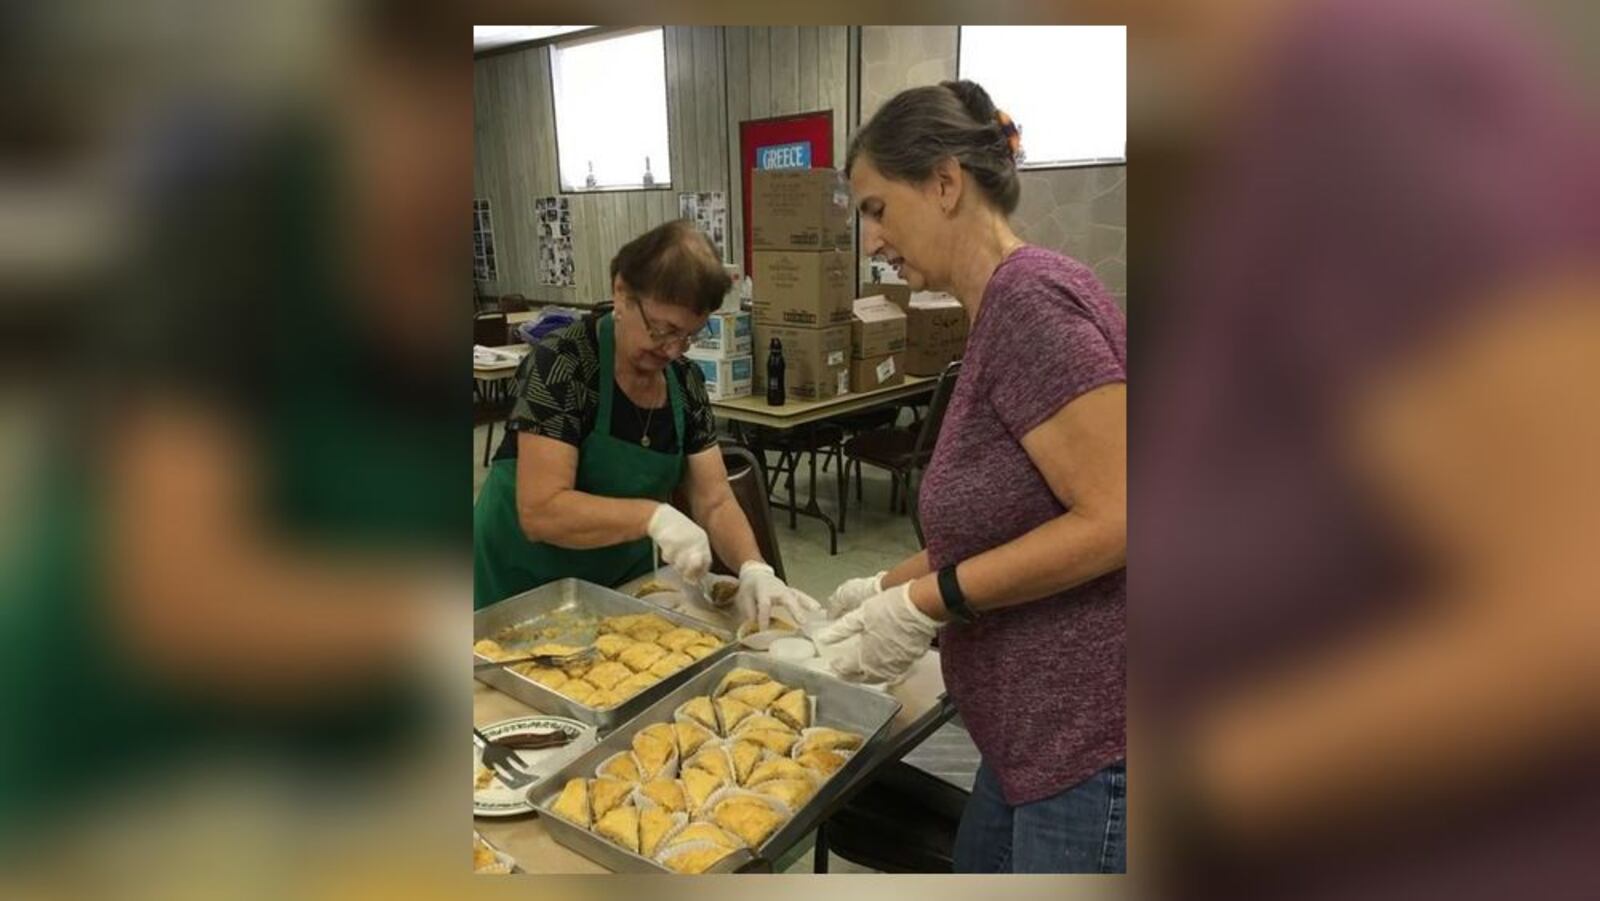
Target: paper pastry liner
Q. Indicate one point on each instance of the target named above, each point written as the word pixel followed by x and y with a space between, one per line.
pixel 801 747
pixel 666 855
pixel 600 773
pixel 679 821
pixel 708 813
pixel 503 862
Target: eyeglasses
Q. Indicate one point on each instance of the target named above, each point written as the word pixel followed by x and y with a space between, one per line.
pixel 663 337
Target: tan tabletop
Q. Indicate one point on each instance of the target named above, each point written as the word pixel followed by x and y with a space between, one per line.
pixel 504 370
pixel 794 413
pixel 923 708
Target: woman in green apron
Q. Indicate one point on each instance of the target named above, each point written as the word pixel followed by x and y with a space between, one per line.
pixel 609 422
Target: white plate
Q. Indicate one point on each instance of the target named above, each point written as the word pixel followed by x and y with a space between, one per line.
pixel 499 801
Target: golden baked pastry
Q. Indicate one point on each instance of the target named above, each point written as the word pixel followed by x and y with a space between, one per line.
pixel 740 676
pixel 550 678
pixel 760 721
pixel 604 698
pixel 482 857
pixel 654 824
pixel 793 708
pixel 702 650
pixel 710 833
pixel 488 647
pixel 821 760
pixel 680 638
pixel 578 690
pixel 698 785
pixel 751 820
pixel 607 674
pixel 612 644
pixel 828 740
pixel 730 711
pixel 606 795
pixel 621 826
pixel 758 696
pixel 745 754
pixel 694 859
pixel 635 683
pixel 641 656
pixel 620 767
pixel 555 650
pixel 573 805
pixel 778 741
pixel 653 749
pixel 722 592
pixel 578 668
pixel 670 664
pixel 793 792
pixel 653 586
pixel 714 761
pixel 482 778
pixel 653 621
pixel 666 792
pixel 619 623
pixel 776 768
pixel 701 711
pixel 690 735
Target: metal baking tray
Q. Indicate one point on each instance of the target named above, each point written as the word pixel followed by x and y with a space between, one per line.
pixel 575 597
pixel 840 704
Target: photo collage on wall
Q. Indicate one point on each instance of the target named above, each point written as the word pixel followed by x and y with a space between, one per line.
pixel 483 263
pixel 708 210
pixel 553 218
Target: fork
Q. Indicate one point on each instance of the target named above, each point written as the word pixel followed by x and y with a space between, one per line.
pixel 540 659
pixel 504 761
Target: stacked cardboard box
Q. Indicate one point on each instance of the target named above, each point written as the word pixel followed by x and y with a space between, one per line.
pixel 803 272
pixel 722 351
pixel 936 332
pixel 877 344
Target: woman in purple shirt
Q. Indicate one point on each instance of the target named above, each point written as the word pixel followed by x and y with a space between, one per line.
pixel 1024 504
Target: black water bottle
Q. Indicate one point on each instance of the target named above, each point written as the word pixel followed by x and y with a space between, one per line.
pixel 775 388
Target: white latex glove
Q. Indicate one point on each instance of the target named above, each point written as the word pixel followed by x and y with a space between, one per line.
pixel 894 635
pixel 760 589
pixel 852 592
pixel 684 545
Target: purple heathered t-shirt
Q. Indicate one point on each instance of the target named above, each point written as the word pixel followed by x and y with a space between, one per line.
pixel 1041 685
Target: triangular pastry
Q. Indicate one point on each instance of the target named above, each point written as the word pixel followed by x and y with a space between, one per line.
pixel 573 805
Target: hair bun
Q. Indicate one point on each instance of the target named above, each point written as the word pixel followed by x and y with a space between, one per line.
pixel 974 98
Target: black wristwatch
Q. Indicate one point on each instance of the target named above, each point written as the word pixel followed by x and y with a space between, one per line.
pixel 955 603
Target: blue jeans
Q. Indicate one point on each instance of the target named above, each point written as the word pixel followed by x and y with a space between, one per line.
pixel 1084 829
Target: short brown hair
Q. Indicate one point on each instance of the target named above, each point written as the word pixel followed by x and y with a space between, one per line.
pixel 918 127
pixel 674 263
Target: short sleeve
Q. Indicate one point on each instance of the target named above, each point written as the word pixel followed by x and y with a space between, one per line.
pixel 1047 350
pixel 699 422
pixel 551 394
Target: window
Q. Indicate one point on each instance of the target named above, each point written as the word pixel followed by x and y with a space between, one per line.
pixel 1067 86
pixel 611 112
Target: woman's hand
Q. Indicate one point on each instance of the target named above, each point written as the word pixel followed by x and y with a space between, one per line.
pixel 894 636
pixel 760 590
pixel 849 595
pixel 683 544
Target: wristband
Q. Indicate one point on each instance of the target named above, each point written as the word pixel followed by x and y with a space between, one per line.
pixel 955 603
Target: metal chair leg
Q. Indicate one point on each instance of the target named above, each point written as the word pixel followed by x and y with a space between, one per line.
pixel 488 444
pixel 819 861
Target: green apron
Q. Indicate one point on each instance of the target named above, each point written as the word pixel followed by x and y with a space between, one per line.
pixel 505 562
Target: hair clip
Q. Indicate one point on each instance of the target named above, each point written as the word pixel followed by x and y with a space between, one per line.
pixel 1012 131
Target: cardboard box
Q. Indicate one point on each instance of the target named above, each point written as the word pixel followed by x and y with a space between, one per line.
pixel 876 372
pixel 936 333
pixel 879 328
pixel 813 290
pixel 726 377
pixel 799 209
pixel 816 360
pixel 899 295
pixel 727 334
